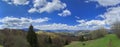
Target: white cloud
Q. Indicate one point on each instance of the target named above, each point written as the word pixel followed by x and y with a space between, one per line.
pixel 18 23
pixel 39 3
pixel 77 17
pixel 91 25
pixel 100 16
pixel 65 13
pixel 83 25
pixel 13 22
pixel 107 2
pixel 81 21
pixel 17 2
pixel 91 22
pixel 32 10
pixel 46 6
pixel 96 22
pixel 41 6
pixel 112 15
pixel 57 26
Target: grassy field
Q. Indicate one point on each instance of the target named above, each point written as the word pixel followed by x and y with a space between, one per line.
pixel 1 46
pixel 107 41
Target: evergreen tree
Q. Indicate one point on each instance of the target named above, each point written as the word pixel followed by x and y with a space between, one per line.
pixel 66 42
pixel 49 40
pixel 32 37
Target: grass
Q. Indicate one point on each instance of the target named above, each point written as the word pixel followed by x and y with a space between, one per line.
pixel 1 46
pixel 108 41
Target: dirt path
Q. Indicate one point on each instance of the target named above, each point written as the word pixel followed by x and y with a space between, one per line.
pixel 110 43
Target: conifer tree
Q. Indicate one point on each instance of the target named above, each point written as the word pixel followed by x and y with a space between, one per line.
pixel 32 37
pixel 66 42
pixel 49 40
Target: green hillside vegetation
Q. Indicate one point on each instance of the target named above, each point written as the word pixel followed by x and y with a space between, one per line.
pixel 110 40
pixel 47 33
pixel 1 46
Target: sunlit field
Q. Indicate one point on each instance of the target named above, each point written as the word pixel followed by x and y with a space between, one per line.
pixel 1 46
pixel 108 41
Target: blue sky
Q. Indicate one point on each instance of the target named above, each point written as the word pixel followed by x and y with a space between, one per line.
pixel 58 14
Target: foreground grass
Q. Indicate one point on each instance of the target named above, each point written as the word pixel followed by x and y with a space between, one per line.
pixel 107 41
pixel 1 46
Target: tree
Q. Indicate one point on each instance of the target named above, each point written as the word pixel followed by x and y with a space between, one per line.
pixel 49 40
pixel 101 32
pixel 82 38
pixel 32 37
pixel 116 28
pixel 66 42
pixel 2 37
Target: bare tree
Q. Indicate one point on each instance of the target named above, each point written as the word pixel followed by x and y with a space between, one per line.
pixel 101 32
pixel 116 28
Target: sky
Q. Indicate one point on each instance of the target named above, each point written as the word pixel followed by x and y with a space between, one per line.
pixel 59 14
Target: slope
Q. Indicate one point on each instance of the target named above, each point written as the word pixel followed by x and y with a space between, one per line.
pixel 110 40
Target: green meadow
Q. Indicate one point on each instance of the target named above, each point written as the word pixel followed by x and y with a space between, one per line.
pixel 110 40
pixel 1 46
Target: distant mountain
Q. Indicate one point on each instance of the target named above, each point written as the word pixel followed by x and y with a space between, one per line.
pixel 57 31
pixel 26 29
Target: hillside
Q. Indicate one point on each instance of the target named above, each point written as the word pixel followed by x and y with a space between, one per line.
pixel 1 46
pixel 108 41
pixel 53 35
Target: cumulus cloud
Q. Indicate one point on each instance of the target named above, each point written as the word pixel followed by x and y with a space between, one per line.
pixel 81 21
pixel 65 13
pixel 32 10
pixel 112 15
pixel 18 23
pixel 39 3
pixel 17 2
pixel 41 6
pixel 13 22
pixel 83 25
pixel 107 2
pixel 57 26
pixel 92 24
pixel 46 6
